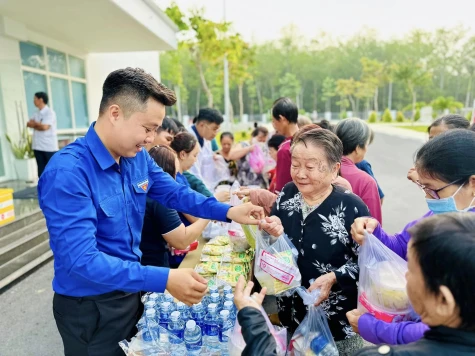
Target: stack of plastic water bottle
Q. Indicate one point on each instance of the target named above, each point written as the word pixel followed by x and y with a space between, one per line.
pixel 175 329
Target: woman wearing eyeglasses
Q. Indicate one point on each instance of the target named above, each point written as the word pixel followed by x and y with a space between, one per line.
pixel 446 170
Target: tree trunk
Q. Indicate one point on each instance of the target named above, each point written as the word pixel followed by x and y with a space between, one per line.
pixel 259 98
pixel 198 99
pixel 204 84
pixel 241 101
pixel 376 100
pixel 390 95
pixel 469 90
pixel 352 102
pixel 315 102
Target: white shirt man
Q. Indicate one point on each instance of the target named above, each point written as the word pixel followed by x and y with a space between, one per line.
pixel 45 139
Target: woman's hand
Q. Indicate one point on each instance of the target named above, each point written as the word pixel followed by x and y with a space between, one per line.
pixel 222 196
pixel 243 298
pixel 360 225
pixel 353 317
pixel 272 225
pixel 242 192
pixel 325 284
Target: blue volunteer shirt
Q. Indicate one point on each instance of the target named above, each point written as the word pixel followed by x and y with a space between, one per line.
pixel 94 211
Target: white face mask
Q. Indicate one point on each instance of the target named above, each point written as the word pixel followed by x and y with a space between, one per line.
pixel 447 205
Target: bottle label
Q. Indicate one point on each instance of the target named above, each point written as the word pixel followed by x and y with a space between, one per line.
pixel 212 330
pixel 278 269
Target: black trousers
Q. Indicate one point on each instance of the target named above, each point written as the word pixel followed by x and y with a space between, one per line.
pixel 42 159
pixel 93 326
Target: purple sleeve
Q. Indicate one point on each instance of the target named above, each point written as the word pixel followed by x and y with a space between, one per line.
pixel 399 241
pixel 380 332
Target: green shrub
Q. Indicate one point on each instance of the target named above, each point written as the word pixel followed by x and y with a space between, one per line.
pixel 387 116
pixel 417 116
pixel 373 117
pixel 469 116
pixel 399 116
pixel 343 114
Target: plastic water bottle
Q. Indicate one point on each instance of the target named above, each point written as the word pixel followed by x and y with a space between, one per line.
pixel 211 338
pixel 165 314
pixel 213 289
pixel 230 308
pixel 216 299
pixel 198 314
pixel 149 305
pixel 227 289
pixel 184 311
pixel 151 331
pixel 169 298
pixel 153 297
pixel 193 338
pixel 230 298
pixel 321 347
pixel 225 324
pixel 176 326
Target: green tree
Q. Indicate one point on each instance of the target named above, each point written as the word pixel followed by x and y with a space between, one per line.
pixel 289 86
pixel 347 88
pixel 448 103
pixel 373 117
pixel 328 92
pixel 374 76
pixel 413 75
pixel 417 116
pixel 387 116
pixel 399 116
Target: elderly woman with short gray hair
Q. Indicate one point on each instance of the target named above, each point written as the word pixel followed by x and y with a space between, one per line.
pixel 316 216
pixel 355 135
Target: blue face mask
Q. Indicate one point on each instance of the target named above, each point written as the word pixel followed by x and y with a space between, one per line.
pixel 447 205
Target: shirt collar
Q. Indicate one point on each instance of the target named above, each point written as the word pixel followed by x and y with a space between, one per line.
pixel 98 150
pixel 45 108
pixel 201 140
pixel 346 161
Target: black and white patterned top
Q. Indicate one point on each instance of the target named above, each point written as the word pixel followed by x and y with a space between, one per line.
pixel 325 245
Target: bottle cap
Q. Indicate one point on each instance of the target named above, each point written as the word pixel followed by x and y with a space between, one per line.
pixel 165 305
pixel 150 312
pixel 229 296
pixel 215 295
pixel 212 306
pixel 190 324
pixel 224 313
pixel 228 303
pixel 175 315
pixel 169 298
pixel 197 306
pixel 180 305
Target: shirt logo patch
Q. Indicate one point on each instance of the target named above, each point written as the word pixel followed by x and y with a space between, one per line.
pixel 143 185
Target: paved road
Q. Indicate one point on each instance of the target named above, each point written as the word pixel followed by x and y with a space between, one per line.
pixel 26 321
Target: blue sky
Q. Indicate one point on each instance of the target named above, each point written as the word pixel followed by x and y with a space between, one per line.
pixel 261 20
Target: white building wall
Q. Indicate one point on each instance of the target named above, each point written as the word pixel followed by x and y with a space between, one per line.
pixel 99 65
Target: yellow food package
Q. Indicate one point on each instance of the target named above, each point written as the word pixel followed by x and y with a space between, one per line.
pixel 207 267
pixel 216 250
pixel 219 241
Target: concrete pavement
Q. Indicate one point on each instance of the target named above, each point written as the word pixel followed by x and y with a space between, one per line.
pixel 26 322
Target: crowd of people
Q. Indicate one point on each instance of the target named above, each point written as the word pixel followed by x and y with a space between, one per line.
pixel 127 202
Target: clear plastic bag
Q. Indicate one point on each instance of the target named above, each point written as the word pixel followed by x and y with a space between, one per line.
pixel 214 229
pixel 275 265
pixel 256 159
pixel 236 343
pixel 146 343
pixel 313 336
pixel 382 283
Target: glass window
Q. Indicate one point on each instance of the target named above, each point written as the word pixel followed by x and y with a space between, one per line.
pixel 76 67
pixel 56 61
pixel 80 105
pixel 32 55
pixel 33 84
pixel 61 102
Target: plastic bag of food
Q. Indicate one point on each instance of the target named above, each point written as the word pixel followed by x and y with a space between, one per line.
pixel 382 283
pixel 313 336
pixel 216 250
pixel 256 159
pixel 236 343
pixel 214 229
pixel 275 265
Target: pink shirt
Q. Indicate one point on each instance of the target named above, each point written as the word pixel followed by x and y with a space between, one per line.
pixel 363 186
pixel 282 170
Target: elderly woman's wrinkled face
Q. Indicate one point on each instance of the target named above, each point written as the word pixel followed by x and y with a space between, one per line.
pixel 310 170
pixel 434 309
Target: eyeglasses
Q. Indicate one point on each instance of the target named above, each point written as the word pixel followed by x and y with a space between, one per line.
pixel 434 193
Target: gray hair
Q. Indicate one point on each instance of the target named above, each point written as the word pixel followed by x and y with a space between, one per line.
pixel 353 133
pixel 324 139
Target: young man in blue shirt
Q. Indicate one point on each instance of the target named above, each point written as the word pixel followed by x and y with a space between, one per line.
pixel 93 195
